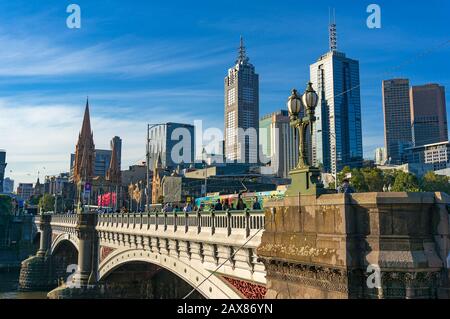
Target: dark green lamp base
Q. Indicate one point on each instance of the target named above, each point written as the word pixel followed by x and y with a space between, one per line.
pixel 305 181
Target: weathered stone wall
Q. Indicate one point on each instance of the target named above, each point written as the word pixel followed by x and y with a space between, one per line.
pixel 322 247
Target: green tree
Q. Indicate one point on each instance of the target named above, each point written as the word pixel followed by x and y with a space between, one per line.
pixel 405 182
pixel 358 181
pixel 432 182
pixel 389 177
pixel 374 179
pixel 47 203
pixel 6 207
pixel 161 199
pixel 342 174
pixel 34 200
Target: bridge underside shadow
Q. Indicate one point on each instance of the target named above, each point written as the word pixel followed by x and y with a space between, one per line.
pixel 64 254
pixel 143 280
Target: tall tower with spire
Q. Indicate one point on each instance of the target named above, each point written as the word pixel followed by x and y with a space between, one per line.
pixel 85 151
pixel 337 138
pixel 242 110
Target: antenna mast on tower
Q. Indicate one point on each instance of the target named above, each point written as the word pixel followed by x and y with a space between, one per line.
pixel 332 29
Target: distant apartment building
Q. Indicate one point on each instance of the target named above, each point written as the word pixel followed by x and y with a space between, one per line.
pixel 2 168
pixel 56 184
pixel 380 156
pixel 25 190
pixel 174 143
pixel 436 154
pixel 428 114
pixel 241 87
pixel 279 144
pixel 397 118
pixel 8 185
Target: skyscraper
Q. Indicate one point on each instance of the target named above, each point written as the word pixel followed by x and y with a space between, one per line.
pixel 102 162
pixel 116 144
pixel 2 168
pixel 114 173
pixel 397 118
pixel 380 156
pixel 174 143
pixel 337 138
pixel 242 111
pixel 279 143
pixel 428 114
pixel 8 185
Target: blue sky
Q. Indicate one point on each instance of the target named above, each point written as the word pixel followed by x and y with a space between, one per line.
pixel 158 61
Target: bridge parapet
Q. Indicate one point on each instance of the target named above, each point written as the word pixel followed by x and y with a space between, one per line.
pixel 241 223
pixel 70 219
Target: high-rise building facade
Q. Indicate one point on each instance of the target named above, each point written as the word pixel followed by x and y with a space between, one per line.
pixel 337 137
pixel 279 143
pixel 56 184
pixel 116 145
pixel 380 156
pixel 25 190
pixel 174 143
pixel 436 154
pixel 8 186
pixel 102 162
pixel 242 111
pixel 397 119
pixel 2 168
pixel 428 114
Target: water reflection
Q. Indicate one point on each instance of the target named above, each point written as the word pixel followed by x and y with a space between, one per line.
pixel 9 283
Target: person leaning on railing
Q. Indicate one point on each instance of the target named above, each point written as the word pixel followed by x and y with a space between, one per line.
pixel 256 204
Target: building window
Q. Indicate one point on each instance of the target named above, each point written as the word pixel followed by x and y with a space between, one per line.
pixel 247 95
pixel 231 96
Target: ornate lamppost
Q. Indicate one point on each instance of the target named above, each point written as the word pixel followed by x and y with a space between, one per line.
pixel 306 178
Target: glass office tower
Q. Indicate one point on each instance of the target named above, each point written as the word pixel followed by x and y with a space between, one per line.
pixel 337 139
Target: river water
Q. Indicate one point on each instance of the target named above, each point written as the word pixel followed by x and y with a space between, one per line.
pixel 9 283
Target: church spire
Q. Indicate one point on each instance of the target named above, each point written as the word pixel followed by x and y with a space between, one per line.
pixel 242 57
pixel 113 174
pixel 86 127
pixel 85 150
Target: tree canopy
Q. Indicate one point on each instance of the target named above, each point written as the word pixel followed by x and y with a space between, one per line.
pixel 374 180
pixel 47 203
pixel 6 206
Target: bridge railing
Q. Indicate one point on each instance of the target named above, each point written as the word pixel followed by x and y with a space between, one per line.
pixel 226 222
pixel 65 219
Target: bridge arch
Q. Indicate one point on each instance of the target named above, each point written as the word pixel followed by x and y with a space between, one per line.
pixel 56 241
pixel 64 257
pixel 213 288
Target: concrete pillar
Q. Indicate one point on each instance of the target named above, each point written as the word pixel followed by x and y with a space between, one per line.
pixel 87 250
pixel 46 234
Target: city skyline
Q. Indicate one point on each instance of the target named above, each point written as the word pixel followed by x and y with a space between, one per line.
pixel 157 77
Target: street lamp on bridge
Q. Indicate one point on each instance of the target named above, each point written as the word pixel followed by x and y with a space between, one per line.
pixel 306 178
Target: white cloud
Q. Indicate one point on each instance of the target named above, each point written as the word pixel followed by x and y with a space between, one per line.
pixel 32 56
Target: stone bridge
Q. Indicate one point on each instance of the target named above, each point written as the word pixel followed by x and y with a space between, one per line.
pixel 366 245
pixel 213 252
